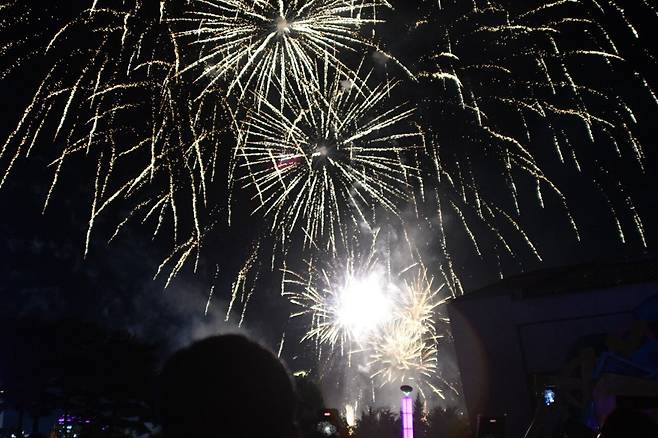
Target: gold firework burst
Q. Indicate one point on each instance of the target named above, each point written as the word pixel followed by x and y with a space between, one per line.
pixel 262 45
pixel 329 158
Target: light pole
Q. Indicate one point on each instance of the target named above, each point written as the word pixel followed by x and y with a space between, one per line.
pixel 407 412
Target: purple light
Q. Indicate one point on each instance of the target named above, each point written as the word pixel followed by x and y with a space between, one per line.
pixel 72 420
pixel 407 418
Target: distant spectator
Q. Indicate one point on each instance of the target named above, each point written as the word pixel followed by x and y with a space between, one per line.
pixel 625 423
pixel 226 386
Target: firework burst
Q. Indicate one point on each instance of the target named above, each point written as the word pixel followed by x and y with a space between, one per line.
pixel 514 96
pixel 333 154
pixel 334 298
pixel 495 82
pixel 112 98
pixel 186 111
pixel 406 348
pixel 396 339
pixel 261 45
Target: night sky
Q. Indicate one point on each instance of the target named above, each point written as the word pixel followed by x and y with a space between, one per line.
pixel 43 271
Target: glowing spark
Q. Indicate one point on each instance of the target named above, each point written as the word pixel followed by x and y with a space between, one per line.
pixel 357 295
pixel 263 45
pixel 499 104
pixel 338 308
pixel 406 350
pixel 328 158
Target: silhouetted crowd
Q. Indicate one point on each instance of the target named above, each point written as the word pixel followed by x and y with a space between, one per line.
pixel 205 387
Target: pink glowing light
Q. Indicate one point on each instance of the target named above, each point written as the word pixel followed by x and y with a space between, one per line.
pixel 286 162
pixel 407 418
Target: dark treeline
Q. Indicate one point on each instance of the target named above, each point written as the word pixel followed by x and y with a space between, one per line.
pixel 102 380
pixel 103 383
pixel 437 422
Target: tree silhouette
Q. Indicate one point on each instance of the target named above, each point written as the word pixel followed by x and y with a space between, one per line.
pixel 310 404
pixel 420 424
pixel 379 423
pixel 447 423
pixel 25 374
pixel 81 369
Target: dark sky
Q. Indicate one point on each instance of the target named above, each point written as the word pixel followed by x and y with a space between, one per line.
pixel 42 269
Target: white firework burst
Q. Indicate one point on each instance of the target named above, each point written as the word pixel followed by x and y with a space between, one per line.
pixel 329 158
pixel 261 45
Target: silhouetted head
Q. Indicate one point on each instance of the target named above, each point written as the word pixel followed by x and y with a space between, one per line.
pixel 226 386
pixel 625 423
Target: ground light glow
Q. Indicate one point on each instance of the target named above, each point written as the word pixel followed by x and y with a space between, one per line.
pixel 407 413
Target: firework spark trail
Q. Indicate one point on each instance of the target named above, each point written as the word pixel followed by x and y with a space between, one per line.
pixel 322 152
pixel 240 288
pixel 406 349
pixel 398 339
pixel 119 102
pixel 89 107
pixel 261 46
pixel 483 78
pixel 325 160
pixel 212 291
pixel 147 95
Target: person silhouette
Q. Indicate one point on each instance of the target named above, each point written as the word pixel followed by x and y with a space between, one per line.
pixel 226 386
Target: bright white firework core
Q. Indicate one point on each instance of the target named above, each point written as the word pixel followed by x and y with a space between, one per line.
pixel 282 26
pixel 364 305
